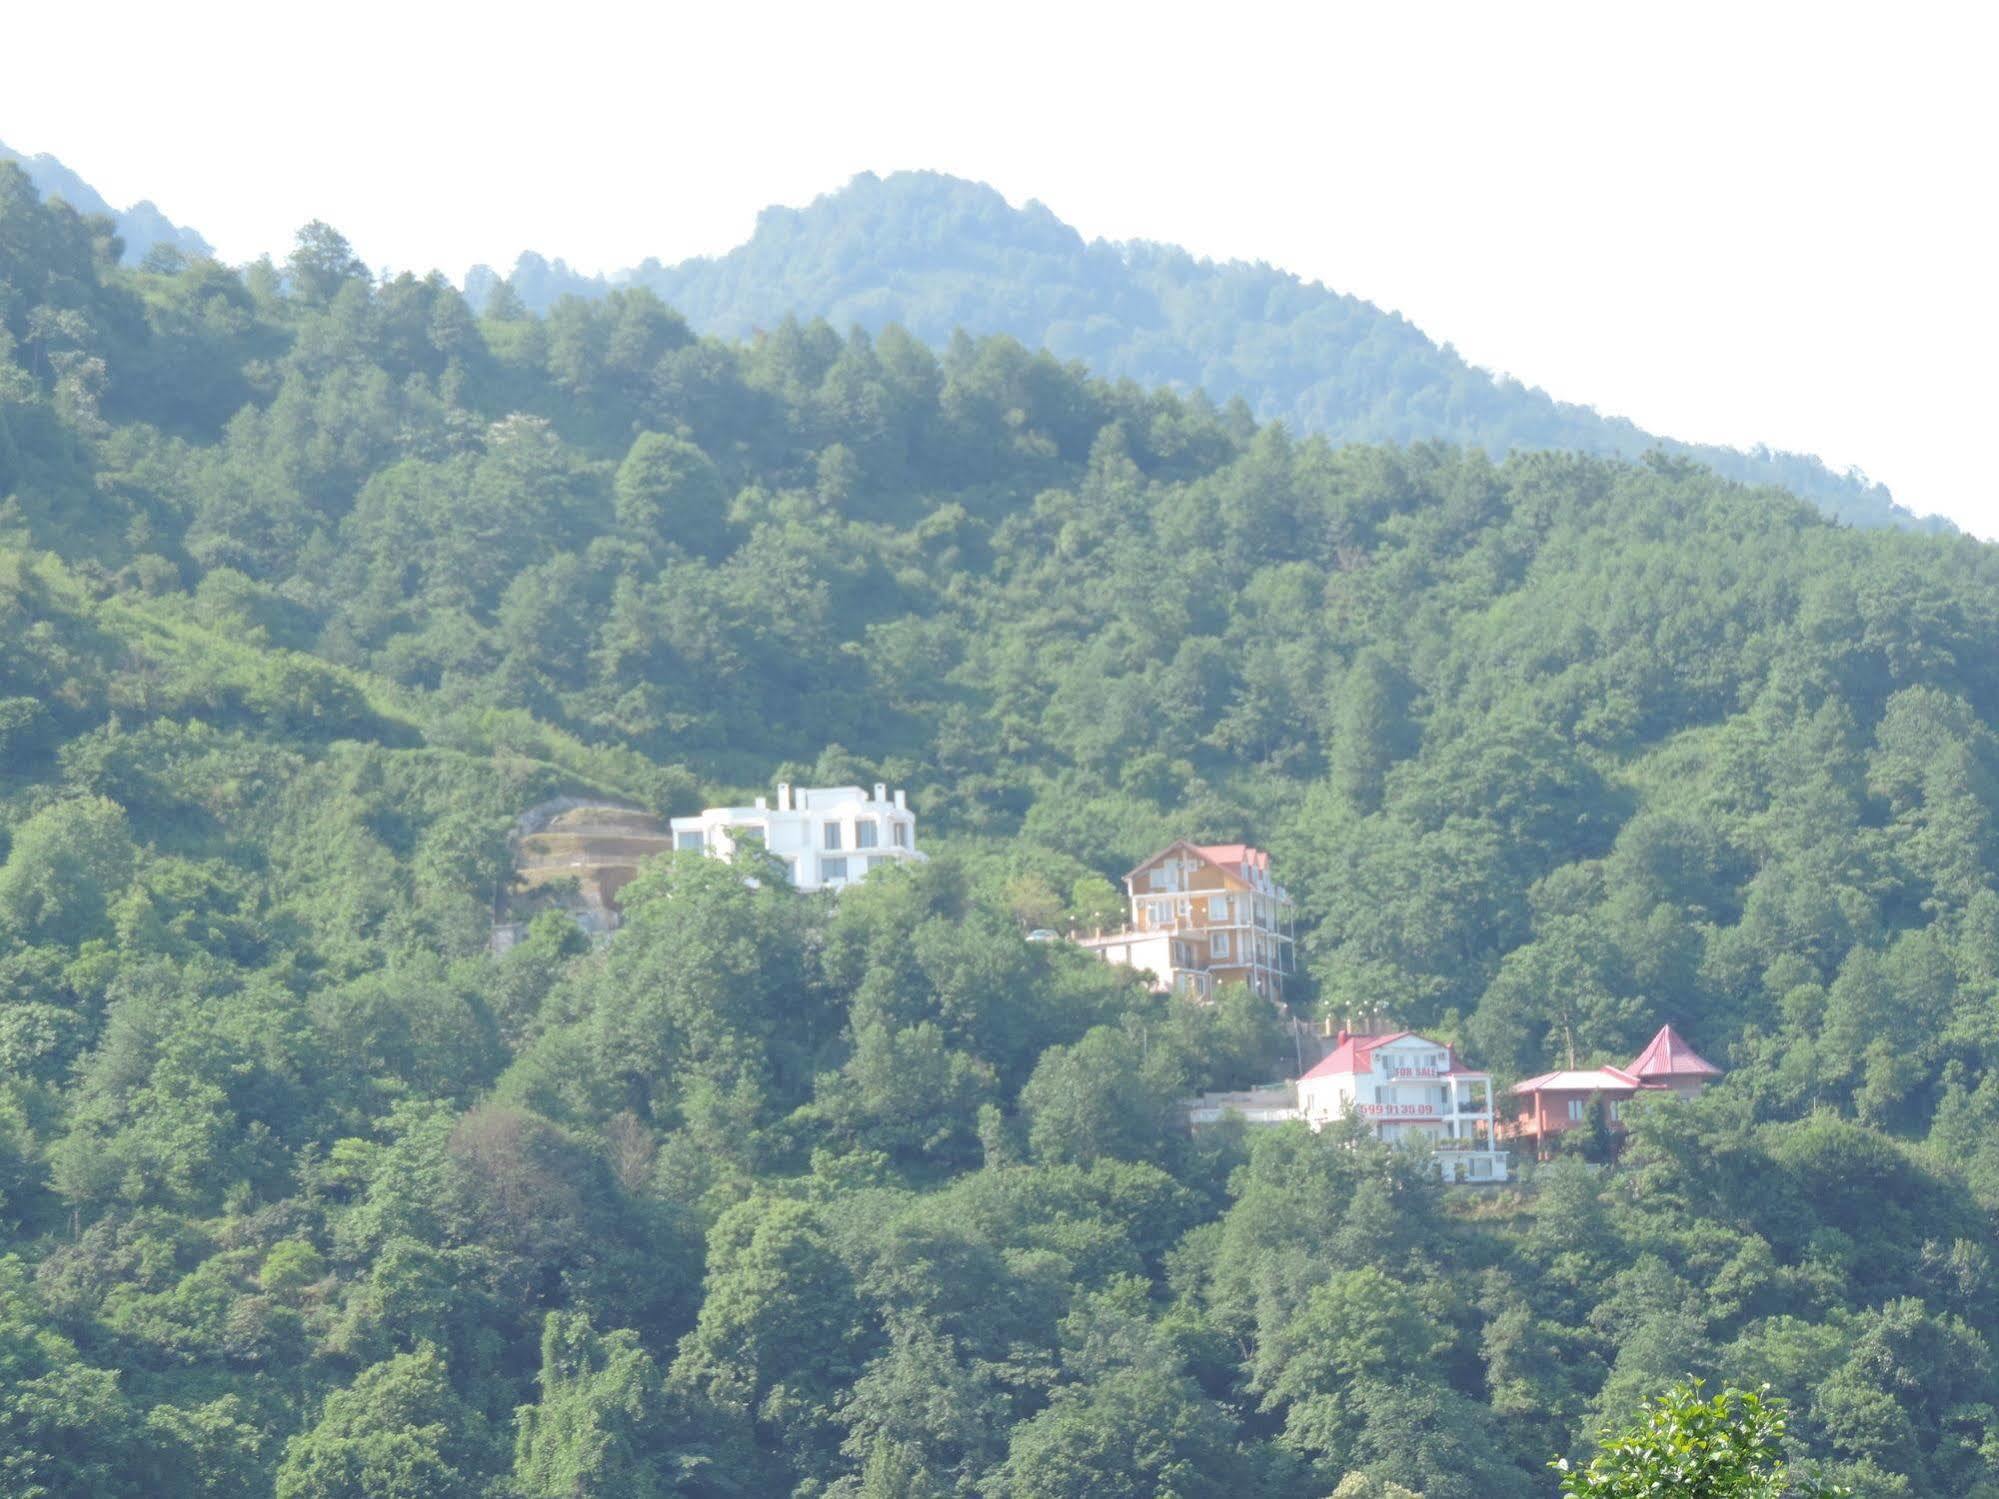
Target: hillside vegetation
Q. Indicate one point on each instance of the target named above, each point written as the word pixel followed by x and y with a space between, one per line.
pixel 309 585
pixel 142 228
pixel 933 254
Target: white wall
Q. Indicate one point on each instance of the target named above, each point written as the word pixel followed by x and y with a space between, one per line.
pixel 794 827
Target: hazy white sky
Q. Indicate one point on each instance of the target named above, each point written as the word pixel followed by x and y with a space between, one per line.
pixel 1733 223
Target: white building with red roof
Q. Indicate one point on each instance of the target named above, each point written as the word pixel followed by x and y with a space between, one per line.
pixel 1408 1088
pixel 1204 914
pixel 1556 1102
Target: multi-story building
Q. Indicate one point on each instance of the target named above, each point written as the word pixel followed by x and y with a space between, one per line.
pixel 1406 1087
pixel 1202 915
pixel 829 837
pixel 1556 1102
pixel 1173 962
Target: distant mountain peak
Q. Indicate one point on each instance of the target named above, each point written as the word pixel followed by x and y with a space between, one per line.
pixel 934 253
pixel 142 226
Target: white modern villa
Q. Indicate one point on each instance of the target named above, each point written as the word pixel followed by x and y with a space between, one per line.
pixel 829 837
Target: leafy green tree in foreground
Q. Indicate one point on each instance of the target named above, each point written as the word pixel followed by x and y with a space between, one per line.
pixel 601 1405
pixel 1360 1486
pixel 1730 1447
pixel 66 862
pixel 398 1433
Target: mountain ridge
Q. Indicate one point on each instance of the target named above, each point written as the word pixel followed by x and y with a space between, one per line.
pixel 934 253
pixel 142 226
pixel 311 582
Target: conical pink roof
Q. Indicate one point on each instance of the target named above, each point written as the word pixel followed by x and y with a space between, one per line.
pixel 1670 1056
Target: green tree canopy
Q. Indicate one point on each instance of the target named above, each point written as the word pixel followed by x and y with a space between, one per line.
pixel 1727 1445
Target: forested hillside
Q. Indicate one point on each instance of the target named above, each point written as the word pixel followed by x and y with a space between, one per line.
pixel 309 585
pixel 142 227
pixel 933 254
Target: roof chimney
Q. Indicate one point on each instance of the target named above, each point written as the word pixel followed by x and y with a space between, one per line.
pixel 784 796
pixel 881 792
pixel 1344 1036
pixel 762 805
pixel 901 801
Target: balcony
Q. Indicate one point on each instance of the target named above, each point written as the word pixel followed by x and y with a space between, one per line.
pixel 1452 1103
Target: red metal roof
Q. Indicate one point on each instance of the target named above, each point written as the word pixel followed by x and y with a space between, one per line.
pixel 1585 1080
pixel 1670 1056
pixel 1232 853
pixel 1356 1054
pixel 1351 1055
pixel 1230 857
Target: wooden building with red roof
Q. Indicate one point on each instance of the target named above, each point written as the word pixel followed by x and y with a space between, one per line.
pixel 1204 914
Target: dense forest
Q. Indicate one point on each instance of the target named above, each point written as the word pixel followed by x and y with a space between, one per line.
pixel 310 583
pixel 141 228
pixel 932 254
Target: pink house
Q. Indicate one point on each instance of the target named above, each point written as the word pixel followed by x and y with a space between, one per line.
pixel 1558 1101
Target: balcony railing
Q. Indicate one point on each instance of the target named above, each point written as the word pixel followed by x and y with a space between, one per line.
pixel 1151 921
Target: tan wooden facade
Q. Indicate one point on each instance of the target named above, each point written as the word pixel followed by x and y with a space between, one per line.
pixel 1227 920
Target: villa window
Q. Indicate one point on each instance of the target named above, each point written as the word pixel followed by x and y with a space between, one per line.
pixel 688 842
pixel 1218 908
pixel 900 832
pixel 1576 1107
pixel 832 869
pixel 1221 944
pixel 833 835
pixel 866 835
